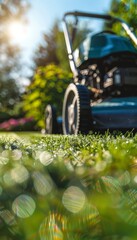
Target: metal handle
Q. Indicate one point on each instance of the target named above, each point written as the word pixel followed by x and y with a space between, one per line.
pixel 125 26
pixel 91 15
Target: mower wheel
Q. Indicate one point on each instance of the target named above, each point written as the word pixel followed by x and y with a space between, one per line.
pixel 51 120
pixel 76 110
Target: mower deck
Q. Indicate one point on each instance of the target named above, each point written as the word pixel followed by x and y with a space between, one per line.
pixel 115 113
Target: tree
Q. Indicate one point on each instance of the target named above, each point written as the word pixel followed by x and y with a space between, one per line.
pixel 125 9
pixel 46 52
pixel 9 52
pixel 53 47
pixel 47 87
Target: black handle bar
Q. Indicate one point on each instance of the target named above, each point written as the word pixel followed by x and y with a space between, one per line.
pixel 91 15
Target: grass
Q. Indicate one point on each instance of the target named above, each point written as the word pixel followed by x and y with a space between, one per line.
pixel 68 187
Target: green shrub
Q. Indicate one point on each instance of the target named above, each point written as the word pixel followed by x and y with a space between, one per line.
pixel 4 116
pixel 47 87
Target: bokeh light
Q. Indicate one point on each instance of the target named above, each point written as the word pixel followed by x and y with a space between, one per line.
pixel 8 217
pixel 19 174
pixel 42 183
pixel 4 157
pixel 73 199
pixel 108 184
pixel 45 158
pixel 8 180
pixel 53 227
pixel 16 154
pixel 23 206
pixel 125 178
pixel 91 215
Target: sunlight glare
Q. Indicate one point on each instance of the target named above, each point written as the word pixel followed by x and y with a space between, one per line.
pixel 17 32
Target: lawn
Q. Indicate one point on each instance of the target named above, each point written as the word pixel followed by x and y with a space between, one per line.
pixel 68 187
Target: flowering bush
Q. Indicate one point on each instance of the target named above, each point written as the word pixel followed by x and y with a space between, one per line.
pixel 22 124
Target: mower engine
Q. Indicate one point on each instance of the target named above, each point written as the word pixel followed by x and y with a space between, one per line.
pixel 109 64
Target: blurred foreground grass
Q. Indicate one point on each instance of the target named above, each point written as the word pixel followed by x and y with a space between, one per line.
pixel 68 187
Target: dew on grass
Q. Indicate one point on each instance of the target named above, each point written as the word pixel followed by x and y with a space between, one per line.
pixel 45 158
pixel 42 183
pixel 61 153
pixel 19 174
pixel 73 199
pixel 78 159
pixel 36 154
pixel 23 206
pixel 8 217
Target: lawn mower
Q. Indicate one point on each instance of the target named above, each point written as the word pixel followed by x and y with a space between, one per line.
pixel 103 94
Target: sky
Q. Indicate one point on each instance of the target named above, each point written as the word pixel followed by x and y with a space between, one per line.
pixel 43 13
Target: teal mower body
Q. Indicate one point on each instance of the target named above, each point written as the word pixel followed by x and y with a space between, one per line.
pixel 103 94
